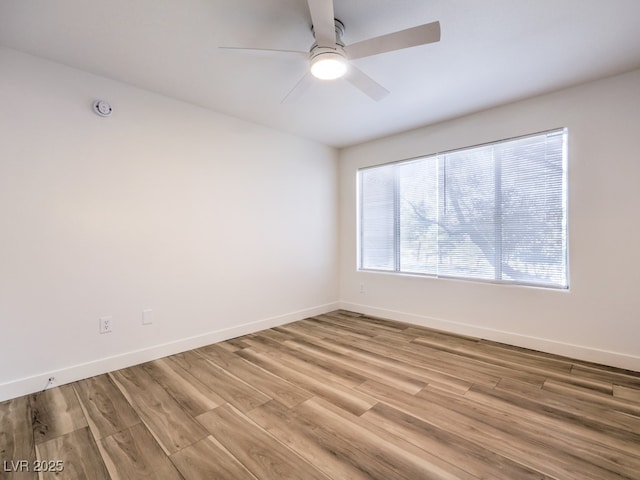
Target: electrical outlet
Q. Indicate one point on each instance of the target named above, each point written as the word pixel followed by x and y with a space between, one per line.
pixel 362 289
pixel 106 324
pixel 147 316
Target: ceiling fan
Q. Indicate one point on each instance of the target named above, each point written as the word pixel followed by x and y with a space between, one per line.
pixel 330 59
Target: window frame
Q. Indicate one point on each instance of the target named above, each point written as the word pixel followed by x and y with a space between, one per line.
pixel 437 155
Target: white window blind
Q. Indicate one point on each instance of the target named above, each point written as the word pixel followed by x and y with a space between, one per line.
pixel 494 212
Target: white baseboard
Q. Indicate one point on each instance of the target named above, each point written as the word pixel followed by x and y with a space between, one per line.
pixel 579 352
pixel 72 373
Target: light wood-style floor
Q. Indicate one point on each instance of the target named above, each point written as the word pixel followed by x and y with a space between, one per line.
pixel 337 396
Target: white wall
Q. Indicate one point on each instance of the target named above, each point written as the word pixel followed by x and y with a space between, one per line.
pixel 598 319
pixel 220 226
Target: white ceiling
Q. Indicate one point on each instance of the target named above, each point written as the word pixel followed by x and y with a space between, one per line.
pixel 491 52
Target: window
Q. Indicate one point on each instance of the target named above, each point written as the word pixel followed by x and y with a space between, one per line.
pixel 494 212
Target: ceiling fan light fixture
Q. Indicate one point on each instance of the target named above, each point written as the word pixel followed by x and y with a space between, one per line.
pixel 329 65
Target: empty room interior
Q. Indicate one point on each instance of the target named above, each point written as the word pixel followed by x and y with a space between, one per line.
pixel 320 239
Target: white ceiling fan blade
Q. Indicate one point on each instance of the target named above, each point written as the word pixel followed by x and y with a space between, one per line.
pixel 265 50
pixel 366 84
pixel 299 88
pixel 411 37
pixel 323 22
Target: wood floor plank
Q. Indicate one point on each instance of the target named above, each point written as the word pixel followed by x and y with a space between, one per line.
pixel 614 402
pixel 467 369
pixel 500 436
pixel 627 393
pixel 209 460
pixel 441 340
pixel 381 456
pixel 56 412
pixel 384 374
pixel 474 458
pixel 395 337
pixel 16 439
pixel 274 334
pixel 301 437
pixel 591 458
pixel 259 452
pixel 376 327
pixel 525 356
pixel 217 355
pixel 236 392
pixel 565 377
pixel 611 449
pixel 133 454
pixel 274 387
pixel 318 325
pixel 372 321
pixel 229 346
pixel 395 359
pixel 308 331
pixel 78 454
pixel 606 376
pixel 569 406
pixel 238 343
pixel 304 362
pixel 172 427
pixel 349 399
pixel 480 364
pixel 105 408
pixel 192 395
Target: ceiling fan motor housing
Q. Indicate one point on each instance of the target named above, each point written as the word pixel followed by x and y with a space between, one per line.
pixel 329 62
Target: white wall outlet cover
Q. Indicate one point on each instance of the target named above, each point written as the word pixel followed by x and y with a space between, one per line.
pixel 102 108
pixel 147 316
pixel 106 324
